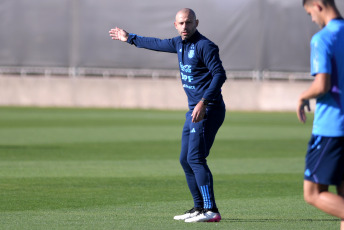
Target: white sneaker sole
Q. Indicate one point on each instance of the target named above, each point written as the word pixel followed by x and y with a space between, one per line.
pixel 213 217
pixel 186 216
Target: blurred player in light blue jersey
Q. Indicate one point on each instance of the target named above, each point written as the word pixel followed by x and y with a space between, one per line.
pixel 325 155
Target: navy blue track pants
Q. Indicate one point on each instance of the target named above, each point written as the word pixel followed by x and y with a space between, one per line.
pixel 197 139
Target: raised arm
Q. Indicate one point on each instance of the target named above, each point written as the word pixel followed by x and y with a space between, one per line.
pixel 119 34
pixel 156 44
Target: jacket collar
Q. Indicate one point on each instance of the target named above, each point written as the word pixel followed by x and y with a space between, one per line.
pixel 193 38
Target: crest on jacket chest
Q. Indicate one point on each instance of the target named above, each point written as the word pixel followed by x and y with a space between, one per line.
pixel 191 53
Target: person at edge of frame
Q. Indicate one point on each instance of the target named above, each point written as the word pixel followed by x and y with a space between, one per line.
pixel 202 76
pixel 325 155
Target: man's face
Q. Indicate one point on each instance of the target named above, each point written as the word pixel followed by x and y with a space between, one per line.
pixel 314 10
pixel 186 24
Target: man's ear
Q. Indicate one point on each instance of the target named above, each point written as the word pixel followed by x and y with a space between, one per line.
pixel 319 6
pixel 197 22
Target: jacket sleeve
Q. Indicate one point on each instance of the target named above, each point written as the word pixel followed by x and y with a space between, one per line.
pixel 156 44
pixel 211 59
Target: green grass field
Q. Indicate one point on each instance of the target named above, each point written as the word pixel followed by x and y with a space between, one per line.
pixel 119 169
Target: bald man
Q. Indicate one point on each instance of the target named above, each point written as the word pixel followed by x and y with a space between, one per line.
pixel 202 76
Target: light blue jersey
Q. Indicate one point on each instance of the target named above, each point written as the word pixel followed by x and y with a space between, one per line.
pixel 327 56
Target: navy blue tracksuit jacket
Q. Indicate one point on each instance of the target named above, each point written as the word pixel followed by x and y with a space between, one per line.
pixel 201 69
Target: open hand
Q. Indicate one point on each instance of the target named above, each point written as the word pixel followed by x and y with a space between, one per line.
pixel 119 34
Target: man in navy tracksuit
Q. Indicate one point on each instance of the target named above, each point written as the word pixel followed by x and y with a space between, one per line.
pixel 202 76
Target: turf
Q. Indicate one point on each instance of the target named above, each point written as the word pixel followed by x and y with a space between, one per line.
pixel 119 169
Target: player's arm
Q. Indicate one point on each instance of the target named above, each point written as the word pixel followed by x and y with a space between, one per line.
pixel 320 86
pixel 212 60
pixel 156 44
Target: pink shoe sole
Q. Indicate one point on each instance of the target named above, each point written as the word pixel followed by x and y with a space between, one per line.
pixel 215 219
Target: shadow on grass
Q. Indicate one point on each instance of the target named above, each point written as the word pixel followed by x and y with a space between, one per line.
pixel 277 220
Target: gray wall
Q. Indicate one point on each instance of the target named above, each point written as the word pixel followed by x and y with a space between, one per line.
pixel 142 93
pixel 252 34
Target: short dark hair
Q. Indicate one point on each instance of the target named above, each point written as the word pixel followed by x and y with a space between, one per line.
pixel 325 2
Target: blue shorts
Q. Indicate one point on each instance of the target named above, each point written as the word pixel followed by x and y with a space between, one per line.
pixel 325 160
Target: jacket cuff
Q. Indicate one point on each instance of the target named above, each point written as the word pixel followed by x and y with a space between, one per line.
pixel 131 38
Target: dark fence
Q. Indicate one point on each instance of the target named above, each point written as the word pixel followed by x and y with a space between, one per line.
pixel 71 36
